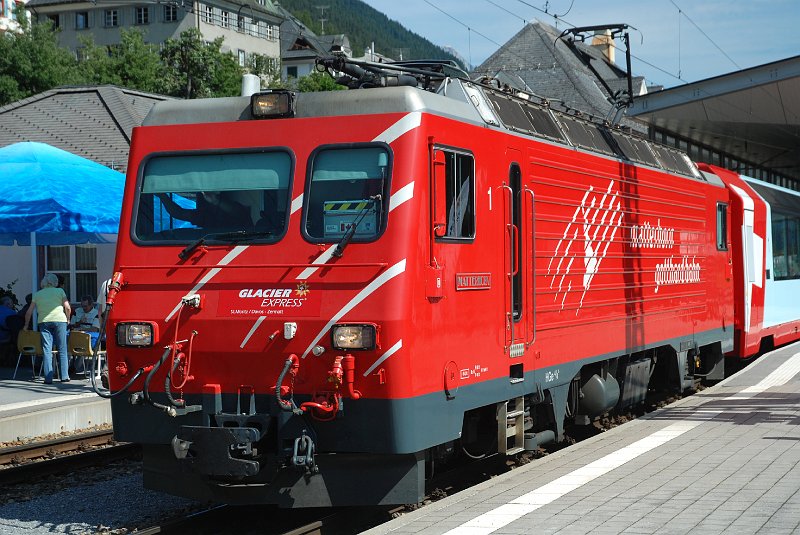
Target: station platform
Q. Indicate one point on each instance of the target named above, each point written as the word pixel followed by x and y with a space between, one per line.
pixel 726 460
pixel 29 408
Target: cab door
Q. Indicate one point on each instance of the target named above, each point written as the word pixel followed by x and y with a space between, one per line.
pixel 518 248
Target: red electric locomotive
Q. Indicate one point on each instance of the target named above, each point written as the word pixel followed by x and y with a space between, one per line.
pixel 325 294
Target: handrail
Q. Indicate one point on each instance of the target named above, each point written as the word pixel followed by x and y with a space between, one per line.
pixel 532 293
pixel 510 275
pixel 261 266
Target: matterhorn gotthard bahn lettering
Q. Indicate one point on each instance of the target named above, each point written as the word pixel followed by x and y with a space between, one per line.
pixel 277 300
pixel 584 244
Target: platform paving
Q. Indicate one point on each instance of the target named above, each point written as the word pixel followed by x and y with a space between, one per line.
pixel 29 408
pixel 726 460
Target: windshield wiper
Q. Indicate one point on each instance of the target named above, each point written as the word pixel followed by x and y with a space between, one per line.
pixel 339 251
pixel 234 236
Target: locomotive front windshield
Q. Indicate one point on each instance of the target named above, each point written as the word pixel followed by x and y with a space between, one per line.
pixel 185 197
pixel 348 187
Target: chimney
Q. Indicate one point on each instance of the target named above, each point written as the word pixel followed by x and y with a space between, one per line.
pixel 605 43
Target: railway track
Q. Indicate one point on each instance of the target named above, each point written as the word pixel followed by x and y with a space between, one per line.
pixel 63 454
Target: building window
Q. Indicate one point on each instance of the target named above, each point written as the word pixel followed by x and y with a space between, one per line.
pixel 241 24
pixel 458 190
pixel 55 20
pixel 291 72
pixel 272 32
pixel 142 15
pixel 225 21
pixel 242 57
pixel 111 17
pixel 77 266
pixel 208 14
pixel 170 13
pixel 81 20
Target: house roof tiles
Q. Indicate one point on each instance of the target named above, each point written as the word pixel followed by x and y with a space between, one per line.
pixel 536 60
pixel 95 122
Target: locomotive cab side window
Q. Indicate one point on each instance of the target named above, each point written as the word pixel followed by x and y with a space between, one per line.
pixel 722 227
pixel 458 190
pixel 348 188
pixel 184 197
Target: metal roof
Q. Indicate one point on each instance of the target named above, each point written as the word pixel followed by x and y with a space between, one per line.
pixel 752 114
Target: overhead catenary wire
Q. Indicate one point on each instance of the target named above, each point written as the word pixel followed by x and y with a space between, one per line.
pixel 710 40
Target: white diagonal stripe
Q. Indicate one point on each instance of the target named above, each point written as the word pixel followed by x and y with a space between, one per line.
pixel 389 352
pixel 252 330
pixel 321 259
pixel 211 274
pixel 402 195
pixel 406 124
pixel 297 202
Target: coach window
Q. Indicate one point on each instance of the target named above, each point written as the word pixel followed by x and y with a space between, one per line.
pixel 722 227
pixel 459 195
pixel 785 246
pixel 348 187
pixel 186 196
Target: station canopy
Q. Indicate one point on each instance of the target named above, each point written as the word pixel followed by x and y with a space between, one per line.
pixel 752 114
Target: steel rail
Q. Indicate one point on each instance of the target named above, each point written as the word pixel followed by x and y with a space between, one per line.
pixel 34 450
pixel 67 463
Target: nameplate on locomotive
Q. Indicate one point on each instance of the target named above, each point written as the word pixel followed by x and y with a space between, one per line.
pixel 473 281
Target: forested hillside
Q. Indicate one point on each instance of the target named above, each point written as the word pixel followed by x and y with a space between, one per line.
pixel 364 25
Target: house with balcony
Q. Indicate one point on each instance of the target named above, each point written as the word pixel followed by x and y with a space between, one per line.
pixel 248 27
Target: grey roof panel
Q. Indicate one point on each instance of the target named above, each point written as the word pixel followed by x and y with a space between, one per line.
pixel 93 122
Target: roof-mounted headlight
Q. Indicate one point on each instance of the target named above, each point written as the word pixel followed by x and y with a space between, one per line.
pixel 275 104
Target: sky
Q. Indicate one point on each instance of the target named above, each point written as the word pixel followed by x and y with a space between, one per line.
pixel 674 41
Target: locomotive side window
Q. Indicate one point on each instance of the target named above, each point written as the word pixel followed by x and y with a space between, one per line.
pixel 785 246
pixel 348 189
pixel 459 192
pixel 185 197
pixel 722 227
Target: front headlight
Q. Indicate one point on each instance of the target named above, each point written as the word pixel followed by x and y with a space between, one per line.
pixel 136 334
pixel 361 336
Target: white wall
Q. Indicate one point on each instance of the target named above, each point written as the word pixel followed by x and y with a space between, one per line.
pixel 16 264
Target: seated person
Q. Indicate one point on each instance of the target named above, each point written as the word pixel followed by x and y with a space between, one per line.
pixel 6 309
pixel 212 210
pixel 85 318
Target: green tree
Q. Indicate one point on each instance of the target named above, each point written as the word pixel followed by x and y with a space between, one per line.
pixel 194 69
pixel 31 61
pixel 317 81
pixel 137 63
pixel 95 65
pixel 227 73
pixel 132 63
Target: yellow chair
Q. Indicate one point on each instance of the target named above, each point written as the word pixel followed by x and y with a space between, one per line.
pixel 29 343
pixel 79 345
